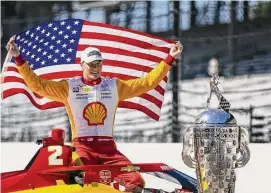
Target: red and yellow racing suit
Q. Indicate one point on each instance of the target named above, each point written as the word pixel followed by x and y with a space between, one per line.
pixel 91 107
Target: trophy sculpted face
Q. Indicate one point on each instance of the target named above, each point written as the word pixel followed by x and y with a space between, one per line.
pixel 213 67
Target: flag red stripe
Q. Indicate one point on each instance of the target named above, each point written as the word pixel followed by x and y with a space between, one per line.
pixel 125 29
pixel 137 106
pixel 120 39
pixel 118 51
pixel 146 96
pixel 13 79
pixel 152 99
pixel 14 91
pixel 11 68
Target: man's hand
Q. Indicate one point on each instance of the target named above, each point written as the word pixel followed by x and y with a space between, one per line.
pixel 176 50
pixel 12 48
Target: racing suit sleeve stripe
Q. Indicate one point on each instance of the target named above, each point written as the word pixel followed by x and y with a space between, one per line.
pixel 54 90
pixel 19 60
pixel 136 87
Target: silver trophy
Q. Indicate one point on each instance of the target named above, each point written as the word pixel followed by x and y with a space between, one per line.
pixel 215 145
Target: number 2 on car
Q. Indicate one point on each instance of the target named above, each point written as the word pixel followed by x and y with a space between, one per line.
pixel 54 157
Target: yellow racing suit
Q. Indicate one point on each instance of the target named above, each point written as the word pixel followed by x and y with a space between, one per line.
pixel 91 107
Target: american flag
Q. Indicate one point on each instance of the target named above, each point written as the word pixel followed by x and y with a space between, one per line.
pixel 53 51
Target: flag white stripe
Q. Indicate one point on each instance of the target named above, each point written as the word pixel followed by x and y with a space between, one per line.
pixel 145 103
pixel 128 47
pixel 9 64
pixel 126 34
pixel 163 84
pixel 11 73
pixel 156 94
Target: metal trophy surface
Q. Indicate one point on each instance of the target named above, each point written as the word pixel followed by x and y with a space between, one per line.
pixel 215 145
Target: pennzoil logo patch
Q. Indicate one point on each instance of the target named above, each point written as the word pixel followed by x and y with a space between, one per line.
pixel 105 176
pixel 86 89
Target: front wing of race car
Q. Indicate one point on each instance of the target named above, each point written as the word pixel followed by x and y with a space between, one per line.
pixel 50 170
pixel 56 179
pixel 74 188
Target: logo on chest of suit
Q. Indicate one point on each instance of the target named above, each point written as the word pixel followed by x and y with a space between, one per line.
pixel 95 113
pixel 105 87
pixel 86 89
pixel 75 89
pixel 77 86
pixel 106 92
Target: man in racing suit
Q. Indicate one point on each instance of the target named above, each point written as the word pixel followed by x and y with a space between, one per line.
pixel 91 102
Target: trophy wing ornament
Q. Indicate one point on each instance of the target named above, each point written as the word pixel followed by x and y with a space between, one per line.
pixel 188 148
pixel 243 150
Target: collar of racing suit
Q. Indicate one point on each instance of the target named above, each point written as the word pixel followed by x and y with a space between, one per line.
pixel 92 82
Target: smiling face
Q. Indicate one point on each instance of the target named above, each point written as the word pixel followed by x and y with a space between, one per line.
pixel 92 70
pixel 213 67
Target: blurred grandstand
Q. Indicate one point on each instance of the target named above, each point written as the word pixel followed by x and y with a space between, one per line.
pixel 236 33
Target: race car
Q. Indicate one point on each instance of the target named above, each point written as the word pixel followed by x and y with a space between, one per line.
pixel 51 170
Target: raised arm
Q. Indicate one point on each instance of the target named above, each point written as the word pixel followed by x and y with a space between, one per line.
pixel 57 91
pixel 138 86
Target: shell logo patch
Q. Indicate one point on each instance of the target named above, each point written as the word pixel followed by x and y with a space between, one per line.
pixel 95 113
